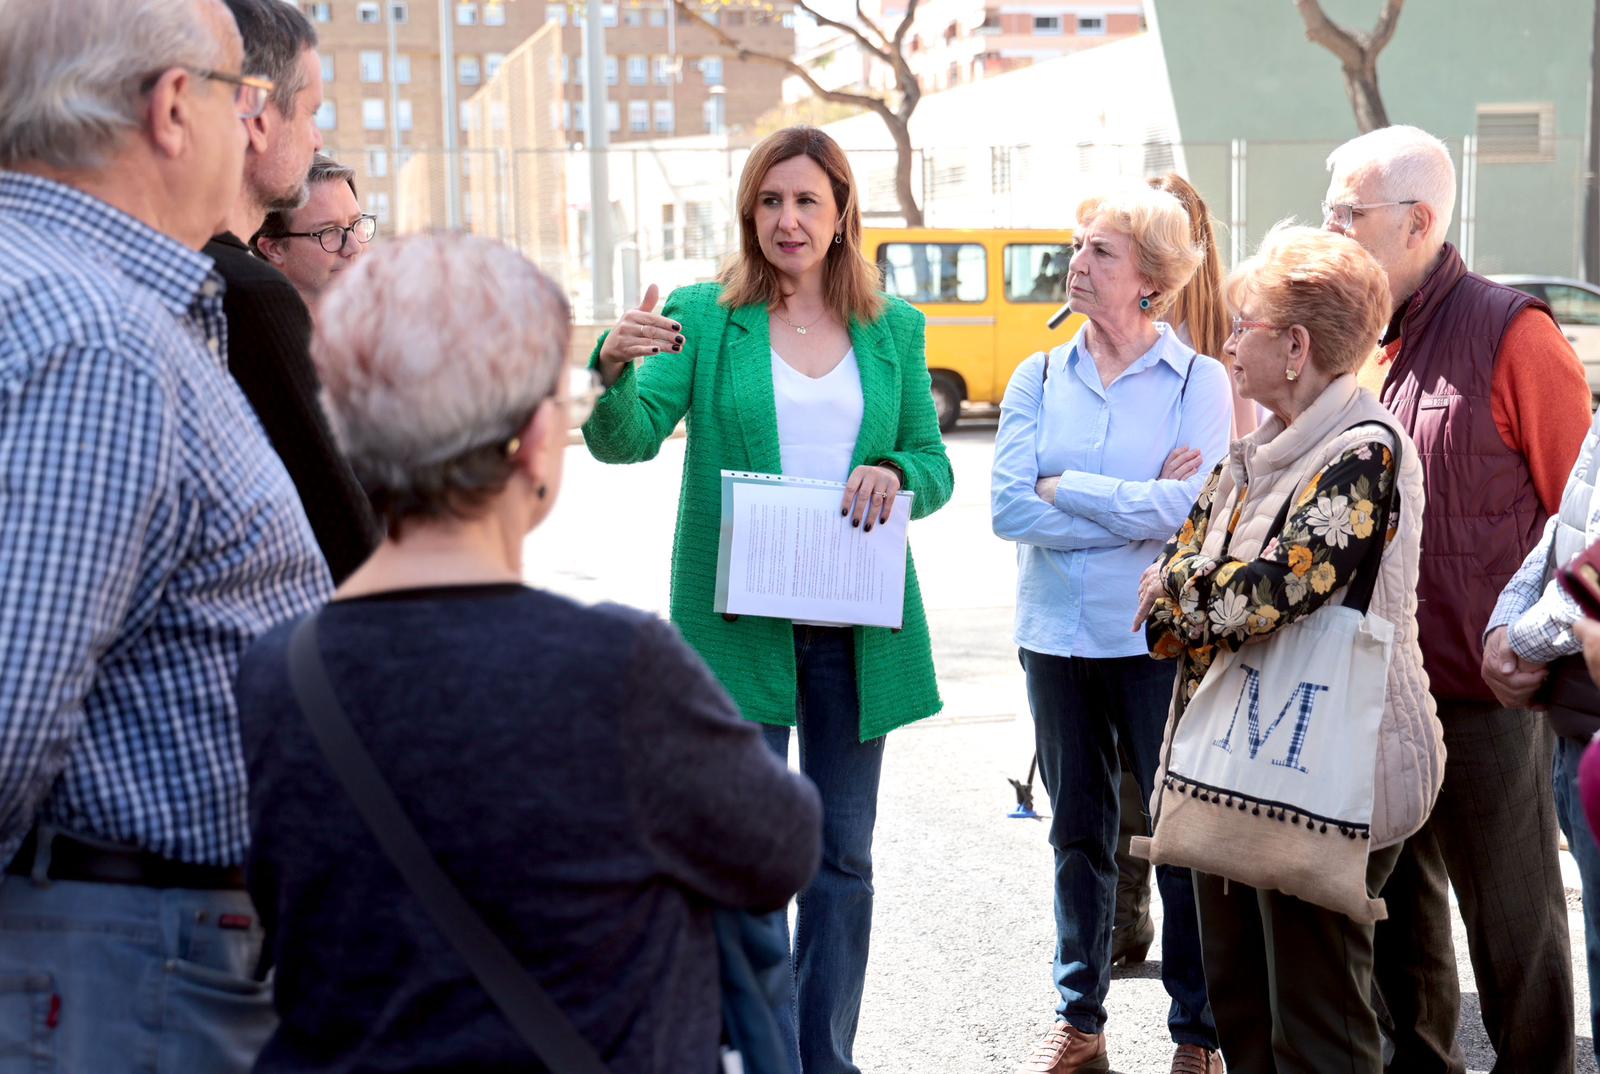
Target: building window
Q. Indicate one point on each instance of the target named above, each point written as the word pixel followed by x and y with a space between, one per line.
pixel 372 114
pixel 611 70
pixel 327 116
pixel 639 117
pixel 633 17
pixel 711 112
pixel 711 70
pixel 734 18
pixel 566 115
pixel 372 67
pixel 1045 25
pixel 669 234
pixel 638 70
pixel 713 16
pixel 664 117
pixel 327 66
pixel 320 12
pixel 787 22
pixel 663 66
pixel 608 15
pixel 466 14
pixel 468 71
pixel 1091 24
pixel 369 12
pixel 658 16
pixel 580 117
pixel 492 64
pixel 494 13
pixel 613 116
pixel 699 230
pixel 1516 133
pixel 378 205
pixel 402 69
pixel 399 13
pixel 566 68
pixel 497 116
pixel 402 115
pixel 377 163
pixel 556 13
pixel 464 116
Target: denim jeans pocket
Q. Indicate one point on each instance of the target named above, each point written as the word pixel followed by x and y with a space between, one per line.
pixel 28 1012
pixel 212 1019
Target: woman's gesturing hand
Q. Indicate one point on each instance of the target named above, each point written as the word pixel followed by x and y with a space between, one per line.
pixel 639 334
pixel 870 493
pixel 1181 465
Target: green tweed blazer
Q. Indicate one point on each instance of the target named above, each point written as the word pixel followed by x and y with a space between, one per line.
pixel 726 393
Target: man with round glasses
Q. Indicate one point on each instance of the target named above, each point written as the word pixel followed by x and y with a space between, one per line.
pixel 326 235
pixel 269 328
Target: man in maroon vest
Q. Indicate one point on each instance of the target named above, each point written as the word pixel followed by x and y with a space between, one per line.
pixel 1497 405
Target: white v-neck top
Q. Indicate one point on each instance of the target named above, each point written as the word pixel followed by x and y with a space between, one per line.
pixel 819 418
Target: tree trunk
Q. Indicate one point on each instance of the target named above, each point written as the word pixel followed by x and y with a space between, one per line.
pixel 903 190
pixel 1362 86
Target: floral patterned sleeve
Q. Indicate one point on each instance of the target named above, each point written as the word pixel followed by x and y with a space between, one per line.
pixel 1326 535
pixel 1182 547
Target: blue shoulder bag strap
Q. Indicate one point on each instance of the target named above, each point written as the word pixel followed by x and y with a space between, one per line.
pixel 526 1005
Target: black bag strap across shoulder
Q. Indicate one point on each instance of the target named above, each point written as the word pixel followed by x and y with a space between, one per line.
pixel 526 1005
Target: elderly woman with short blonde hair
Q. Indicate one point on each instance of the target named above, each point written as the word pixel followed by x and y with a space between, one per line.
pixel 1097 460
pixel 576 771
pixel 1279 531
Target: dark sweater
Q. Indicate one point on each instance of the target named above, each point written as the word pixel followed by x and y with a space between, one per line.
pixel 269 341
pixel 581 777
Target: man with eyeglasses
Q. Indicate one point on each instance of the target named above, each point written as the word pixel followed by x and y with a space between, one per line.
pixel 148 534
pixel 269 328
pixel 325 236
pixel 1498 406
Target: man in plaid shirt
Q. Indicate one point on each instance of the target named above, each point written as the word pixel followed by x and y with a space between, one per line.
pixel 147 534
pixel 1532 655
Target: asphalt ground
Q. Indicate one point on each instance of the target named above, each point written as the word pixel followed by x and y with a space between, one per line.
pixel 959 978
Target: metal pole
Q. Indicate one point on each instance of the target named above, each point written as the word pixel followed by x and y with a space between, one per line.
pixel 1468 245
pixel 394 112
pixel 1238 223
pixel 447 84
pixel 598 144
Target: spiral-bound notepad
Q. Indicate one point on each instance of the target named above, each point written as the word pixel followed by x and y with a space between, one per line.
pixel 787 552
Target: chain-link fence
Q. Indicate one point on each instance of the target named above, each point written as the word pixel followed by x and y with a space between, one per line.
pixel 673 218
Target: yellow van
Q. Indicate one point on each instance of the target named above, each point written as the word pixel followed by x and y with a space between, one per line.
pixel 987 294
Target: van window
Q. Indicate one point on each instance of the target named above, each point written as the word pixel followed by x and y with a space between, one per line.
pixel 1037 273
pixel 935 271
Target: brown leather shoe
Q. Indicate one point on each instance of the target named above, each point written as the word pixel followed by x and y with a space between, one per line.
pixel 1067 1050
pixel 1193 1059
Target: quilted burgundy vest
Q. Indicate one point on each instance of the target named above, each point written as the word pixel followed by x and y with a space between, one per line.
pixel 1483 512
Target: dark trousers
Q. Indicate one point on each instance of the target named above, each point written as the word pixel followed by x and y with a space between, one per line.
pixel 1291 983
pixel 1082 709
pixel 833 918
pixel 1492 836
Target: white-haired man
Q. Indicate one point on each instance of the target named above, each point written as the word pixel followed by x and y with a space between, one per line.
pixel 1497 405
pixel 268 323
pixel 149 534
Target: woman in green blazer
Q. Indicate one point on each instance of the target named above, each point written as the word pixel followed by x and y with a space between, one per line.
pixel 754 363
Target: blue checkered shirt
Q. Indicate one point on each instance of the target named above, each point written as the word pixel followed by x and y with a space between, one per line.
pixel 147 534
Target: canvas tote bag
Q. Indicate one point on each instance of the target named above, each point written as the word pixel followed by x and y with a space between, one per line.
pixel 1269 776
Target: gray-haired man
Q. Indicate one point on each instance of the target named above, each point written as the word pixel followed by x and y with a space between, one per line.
pixel 149 534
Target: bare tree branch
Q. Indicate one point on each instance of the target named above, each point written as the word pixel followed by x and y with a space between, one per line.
pixel 861 13
pixel 1387 21
pixel 1357 53
pixel 876 48
pixel 1330 35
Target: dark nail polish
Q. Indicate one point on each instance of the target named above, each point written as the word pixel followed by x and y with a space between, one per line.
pixel 868 529
pixel 855 522
pixel 676 327
pixel 678 340
pixel 843 511
pixel 676 349
pixel 655 350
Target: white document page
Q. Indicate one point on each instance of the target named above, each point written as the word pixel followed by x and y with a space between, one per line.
pixel 787 552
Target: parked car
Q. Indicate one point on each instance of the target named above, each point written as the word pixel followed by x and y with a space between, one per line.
pixel 1576 305
pixel 987 295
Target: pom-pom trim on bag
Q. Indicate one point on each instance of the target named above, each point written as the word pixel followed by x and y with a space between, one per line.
pixel 1278 811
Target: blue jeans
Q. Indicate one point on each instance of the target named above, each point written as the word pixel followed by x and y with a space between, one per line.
pixel 113 977
pixel 833 924
pixel 1569 814
pixel 1082 707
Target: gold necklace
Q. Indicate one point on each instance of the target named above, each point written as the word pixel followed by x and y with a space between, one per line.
pixel 801 328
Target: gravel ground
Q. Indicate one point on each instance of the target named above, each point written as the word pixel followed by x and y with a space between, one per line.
pixel 959 980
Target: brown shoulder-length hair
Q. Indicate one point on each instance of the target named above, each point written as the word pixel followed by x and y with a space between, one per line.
pixel 1199 306
pixel 849 280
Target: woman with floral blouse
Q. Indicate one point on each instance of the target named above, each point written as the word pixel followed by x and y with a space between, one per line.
pixel 1280 530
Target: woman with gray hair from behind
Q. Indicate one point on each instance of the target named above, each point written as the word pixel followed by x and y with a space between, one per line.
pixel 575 771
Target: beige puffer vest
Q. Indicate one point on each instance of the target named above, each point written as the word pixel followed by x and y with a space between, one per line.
pixel 1274 464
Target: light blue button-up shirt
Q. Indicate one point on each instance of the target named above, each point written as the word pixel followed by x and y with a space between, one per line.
pixel 1080 558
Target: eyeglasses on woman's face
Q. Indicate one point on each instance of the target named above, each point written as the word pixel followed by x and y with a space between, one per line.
pixel 332 239
pixel 1241 326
